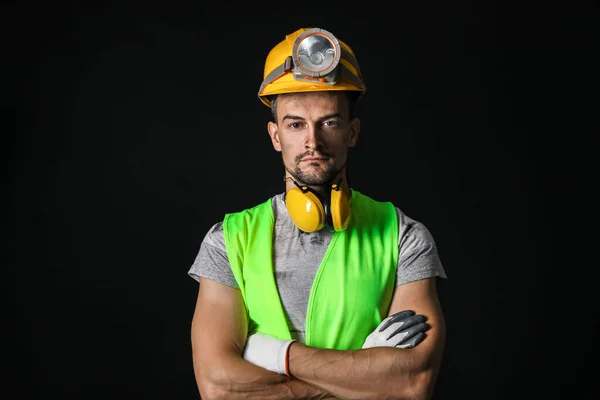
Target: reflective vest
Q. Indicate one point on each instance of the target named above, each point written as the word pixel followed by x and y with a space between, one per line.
pixel 352 289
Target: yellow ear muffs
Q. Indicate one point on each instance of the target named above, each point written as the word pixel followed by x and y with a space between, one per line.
pixel 310 212
pixel 305 208
pixel 340 208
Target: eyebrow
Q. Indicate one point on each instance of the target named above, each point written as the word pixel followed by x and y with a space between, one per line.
pixel 323 118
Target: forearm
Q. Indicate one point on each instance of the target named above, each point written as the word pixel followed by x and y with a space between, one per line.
pixel 234 378
pixel 375 373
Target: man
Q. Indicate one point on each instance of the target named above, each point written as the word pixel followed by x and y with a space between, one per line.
pixel 320 291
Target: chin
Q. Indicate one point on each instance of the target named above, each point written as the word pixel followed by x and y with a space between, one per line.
pixel 318 180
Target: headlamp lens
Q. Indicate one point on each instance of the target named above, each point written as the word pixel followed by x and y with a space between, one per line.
pixel 316 53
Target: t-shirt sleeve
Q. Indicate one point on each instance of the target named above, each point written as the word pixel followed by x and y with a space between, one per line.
pixel 212 261
pixel 418 256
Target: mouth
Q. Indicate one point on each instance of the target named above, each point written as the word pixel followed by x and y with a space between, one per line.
pixel 313 159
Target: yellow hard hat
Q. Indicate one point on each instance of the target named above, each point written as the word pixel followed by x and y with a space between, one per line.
pixel 310 60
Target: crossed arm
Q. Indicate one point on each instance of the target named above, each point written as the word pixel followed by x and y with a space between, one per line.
pixel 219 331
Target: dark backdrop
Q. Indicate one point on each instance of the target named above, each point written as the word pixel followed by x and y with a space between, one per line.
pixel 132 127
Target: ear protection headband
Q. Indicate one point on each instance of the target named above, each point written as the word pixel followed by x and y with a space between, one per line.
pixel 311 212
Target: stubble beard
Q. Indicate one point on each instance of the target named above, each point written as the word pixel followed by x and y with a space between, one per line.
pixel 315 177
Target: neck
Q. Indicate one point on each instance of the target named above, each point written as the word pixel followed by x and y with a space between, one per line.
pixel 323 190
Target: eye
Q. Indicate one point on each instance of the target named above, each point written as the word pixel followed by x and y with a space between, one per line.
pixel 331 123
pixel 294 125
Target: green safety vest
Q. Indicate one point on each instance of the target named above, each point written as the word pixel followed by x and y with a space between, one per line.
pixel 352 289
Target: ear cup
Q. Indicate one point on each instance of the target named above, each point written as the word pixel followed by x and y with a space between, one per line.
pixel 306 209
pixel 339 208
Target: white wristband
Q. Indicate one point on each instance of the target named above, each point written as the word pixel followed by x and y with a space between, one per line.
pixel 268 352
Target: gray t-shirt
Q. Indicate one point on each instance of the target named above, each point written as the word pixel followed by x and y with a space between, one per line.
pixel 298 256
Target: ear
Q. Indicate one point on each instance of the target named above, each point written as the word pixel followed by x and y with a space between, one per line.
pixel 274 133
pixel 354 131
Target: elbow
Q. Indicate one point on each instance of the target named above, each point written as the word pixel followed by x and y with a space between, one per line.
pixel 211 379
pixel 212 388
pixel 213 392
pixel 414 385
pixel 419 386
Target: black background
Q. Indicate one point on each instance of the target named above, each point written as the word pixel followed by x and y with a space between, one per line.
pixel 132 127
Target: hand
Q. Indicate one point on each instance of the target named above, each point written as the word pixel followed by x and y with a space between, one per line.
pixel 404 329
pixel 267 352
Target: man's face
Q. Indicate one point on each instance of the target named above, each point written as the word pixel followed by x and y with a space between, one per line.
pixel 313 133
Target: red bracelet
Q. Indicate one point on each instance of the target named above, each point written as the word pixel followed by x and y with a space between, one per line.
pixel 287 361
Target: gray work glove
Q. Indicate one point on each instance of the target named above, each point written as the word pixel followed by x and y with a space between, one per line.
pixel 405 329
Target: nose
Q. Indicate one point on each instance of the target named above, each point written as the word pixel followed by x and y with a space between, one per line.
pixel 313 137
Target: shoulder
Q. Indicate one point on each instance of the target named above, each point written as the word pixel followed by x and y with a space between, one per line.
pixel 412 232
pixel 214 236
pixel 236 223
pixel 370 209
